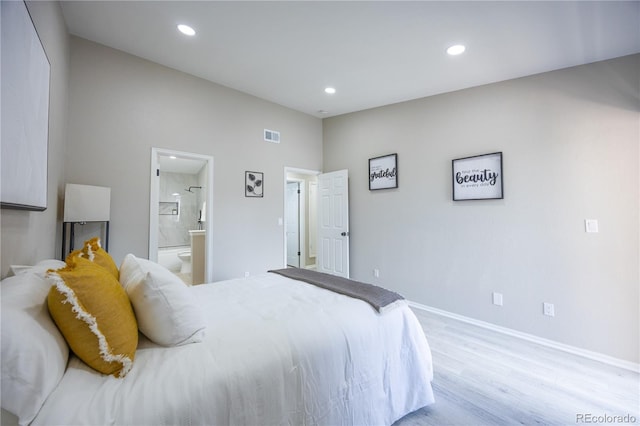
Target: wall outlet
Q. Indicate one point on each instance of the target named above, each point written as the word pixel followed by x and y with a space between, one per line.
pixel 246 274
pixel 376 273
pixel 497 299
pixel 548 309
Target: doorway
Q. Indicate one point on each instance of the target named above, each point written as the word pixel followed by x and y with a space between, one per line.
pixel 180 212
pixel 324 239
pixel 300 213
pixel 293 223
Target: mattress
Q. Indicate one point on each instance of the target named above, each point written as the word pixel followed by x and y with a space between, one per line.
pixel 276 352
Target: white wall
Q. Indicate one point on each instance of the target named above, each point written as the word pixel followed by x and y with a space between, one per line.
pixel 31 236
pixel 570 144
pixel 121 106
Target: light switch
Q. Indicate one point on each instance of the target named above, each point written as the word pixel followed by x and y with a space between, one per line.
pixel 279 221
pixel 591 225
pixel 497 299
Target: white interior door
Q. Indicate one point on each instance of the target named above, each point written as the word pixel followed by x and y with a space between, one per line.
pixel 313 219
pixel 333 223
pixel 293 224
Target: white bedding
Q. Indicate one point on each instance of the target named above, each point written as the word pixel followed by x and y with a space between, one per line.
pixel 276 351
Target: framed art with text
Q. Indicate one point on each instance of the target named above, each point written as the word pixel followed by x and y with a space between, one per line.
pixel 383 172
pixel 478 177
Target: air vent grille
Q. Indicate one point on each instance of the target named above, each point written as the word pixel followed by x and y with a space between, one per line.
pixel 271 136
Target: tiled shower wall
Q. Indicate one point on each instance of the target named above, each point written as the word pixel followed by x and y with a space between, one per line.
pixel 174 228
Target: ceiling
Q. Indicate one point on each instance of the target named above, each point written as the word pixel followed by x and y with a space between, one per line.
pixel 176 164
pixel 373 53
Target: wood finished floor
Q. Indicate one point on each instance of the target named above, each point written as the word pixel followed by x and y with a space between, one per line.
pixel 482 377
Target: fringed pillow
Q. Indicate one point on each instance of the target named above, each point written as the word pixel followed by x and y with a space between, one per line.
pixel 94 314
pixel 93 251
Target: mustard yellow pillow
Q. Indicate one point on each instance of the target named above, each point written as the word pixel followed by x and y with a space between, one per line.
pixel 93 251
pixel 94 314
pixel 74 256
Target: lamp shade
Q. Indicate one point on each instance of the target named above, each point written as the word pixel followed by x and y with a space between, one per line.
pixel 86 203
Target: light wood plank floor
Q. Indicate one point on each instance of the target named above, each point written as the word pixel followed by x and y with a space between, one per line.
pixel 482 377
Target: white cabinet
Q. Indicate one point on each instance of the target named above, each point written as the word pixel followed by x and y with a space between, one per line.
pixel 197 256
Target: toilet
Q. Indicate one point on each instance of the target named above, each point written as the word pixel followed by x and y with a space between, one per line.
pixel 185 258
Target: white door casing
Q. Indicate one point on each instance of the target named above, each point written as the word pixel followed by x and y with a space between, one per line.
pixel 333 223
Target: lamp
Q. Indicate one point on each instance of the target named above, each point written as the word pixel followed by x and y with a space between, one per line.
pixel 82 204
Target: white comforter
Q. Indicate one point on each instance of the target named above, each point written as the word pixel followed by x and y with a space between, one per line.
pixel 276 351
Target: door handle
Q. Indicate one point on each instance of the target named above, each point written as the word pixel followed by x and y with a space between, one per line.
pixel 344 234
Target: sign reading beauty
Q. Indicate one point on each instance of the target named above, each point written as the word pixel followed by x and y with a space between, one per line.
pixel 477 178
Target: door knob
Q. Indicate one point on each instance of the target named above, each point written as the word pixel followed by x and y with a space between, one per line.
pixel 344 234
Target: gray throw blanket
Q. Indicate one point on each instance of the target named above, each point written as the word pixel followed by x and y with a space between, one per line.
pixel 381 299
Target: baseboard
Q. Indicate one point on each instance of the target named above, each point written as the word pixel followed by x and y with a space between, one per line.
pixel 596 356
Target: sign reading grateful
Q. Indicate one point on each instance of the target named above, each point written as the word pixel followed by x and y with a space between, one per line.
pixel 383 172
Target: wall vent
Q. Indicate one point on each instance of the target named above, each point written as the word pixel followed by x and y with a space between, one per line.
pixel 271 136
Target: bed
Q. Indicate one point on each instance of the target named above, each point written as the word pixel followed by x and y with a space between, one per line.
pixel 274 351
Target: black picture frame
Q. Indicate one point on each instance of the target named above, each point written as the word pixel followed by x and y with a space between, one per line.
pixel 479 177
pixel 253 184
pixel 383 172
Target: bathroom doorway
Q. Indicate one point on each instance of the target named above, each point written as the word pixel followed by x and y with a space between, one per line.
pixel 180 236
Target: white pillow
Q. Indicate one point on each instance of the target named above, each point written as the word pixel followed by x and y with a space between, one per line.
pixel 39 268
pixel 34 353
pixel 166 309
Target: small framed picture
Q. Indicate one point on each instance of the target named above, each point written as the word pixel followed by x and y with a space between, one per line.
pixel 253 184
pixel 383 172
pixel 478 177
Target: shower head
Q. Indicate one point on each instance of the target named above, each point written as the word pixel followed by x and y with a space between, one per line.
pixel 194 187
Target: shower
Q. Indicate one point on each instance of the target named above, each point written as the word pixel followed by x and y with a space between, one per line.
pixel 201 211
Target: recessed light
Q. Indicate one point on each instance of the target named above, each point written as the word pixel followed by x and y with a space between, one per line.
pixel 330 90
pixel 456 49
pixel 322 111
pixel 173 157
pixel 186 30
